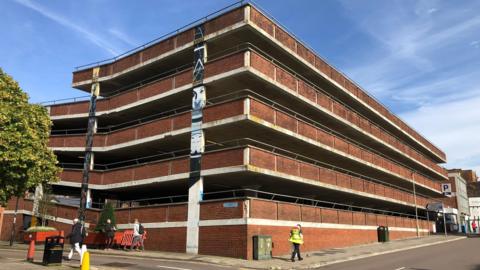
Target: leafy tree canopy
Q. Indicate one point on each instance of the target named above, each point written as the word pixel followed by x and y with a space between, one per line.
pixel 25 159
pixel 108 212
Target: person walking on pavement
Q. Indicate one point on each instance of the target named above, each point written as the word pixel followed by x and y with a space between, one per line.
pixel 138 232
pixel 474 226
pixel 296 237
pixel 109 233
pixel 76 237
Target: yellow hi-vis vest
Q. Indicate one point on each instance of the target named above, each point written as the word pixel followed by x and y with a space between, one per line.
pixel 295 236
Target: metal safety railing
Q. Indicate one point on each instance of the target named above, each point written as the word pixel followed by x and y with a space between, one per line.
pixel 245 93
pixel 253 193
pixel 215 146
pixel 65 100
pixel 157 157
pixel 165 36
pixel 239 193
pixel 177 70
pixel 310 160
pixel 153 79
pixel 152 201
pixel 157 116
pixel 245 46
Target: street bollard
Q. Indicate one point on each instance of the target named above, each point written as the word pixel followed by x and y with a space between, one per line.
pixel 83 249
pixel 31 249
pixel 85 261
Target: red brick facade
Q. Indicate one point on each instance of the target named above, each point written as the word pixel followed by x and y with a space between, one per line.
pixel 236 240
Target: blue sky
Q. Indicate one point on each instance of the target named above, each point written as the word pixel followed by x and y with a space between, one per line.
pixel 420 58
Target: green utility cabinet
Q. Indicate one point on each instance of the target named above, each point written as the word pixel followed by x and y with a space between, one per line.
pixel 262 247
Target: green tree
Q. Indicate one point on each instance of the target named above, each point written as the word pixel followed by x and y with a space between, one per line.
pixel 25 159
pixel 108 212
pixel 45 205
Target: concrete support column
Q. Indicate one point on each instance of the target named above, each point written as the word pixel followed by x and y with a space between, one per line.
pixel 89 199
pixel 197 143
pixel 88 162
pixel 195 194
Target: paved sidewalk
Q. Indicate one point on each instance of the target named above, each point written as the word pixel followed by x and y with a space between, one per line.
pixel 311 259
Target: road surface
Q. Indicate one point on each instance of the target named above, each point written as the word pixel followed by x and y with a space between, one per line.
pixel 116 262
pixel 457 255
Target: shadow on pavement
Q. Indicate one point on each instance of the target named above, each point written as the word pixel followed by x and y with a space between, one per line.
pixel 119 264
pixel 281 259
pixel 327 252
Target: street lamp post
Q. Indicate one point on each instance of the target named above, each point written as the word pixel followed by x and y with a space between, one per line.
pixel 428 221
pixel 415 202
pixel 444 221
pixel 12 234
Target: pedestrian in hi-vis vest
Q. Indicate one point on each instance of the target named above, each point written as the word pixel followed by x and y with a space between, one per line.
pixel 296 237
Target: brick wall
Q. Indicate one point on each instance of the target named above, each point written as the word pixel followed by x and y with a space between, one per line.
pixel 310 131
pixel 275 210
pixel 7 224
pixel 316 239
pixel 321 238
pixel 162 239
pixel 217 210
pixel 1 218
pixel 61 211
pixel 218 159
pixel 236 240
pixel 151 214
pixel 151 128
pixel 275 162
pixel 229 241
pixel 166 239
pixel 469 176
pixel 163 85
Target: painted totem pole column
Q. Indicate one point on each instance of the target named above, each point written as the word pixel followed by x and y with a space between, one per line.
pixel 197 143
pixel 91 130
pixel 36 199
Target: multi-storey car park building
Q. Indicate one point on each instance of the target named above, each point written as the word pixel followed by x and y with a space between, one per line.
pixel 287 139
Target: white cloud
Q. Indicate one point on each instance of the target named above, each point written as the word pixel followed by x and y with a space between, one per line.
pixel 454 127
pixel 412 44
pixel 446 88
pixel 475 44
pixel 421 64
pixel 89 35
pixel 123 37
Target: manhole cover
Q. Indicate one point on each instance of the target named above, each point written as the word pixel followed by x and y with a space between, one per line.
pixel 118 264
